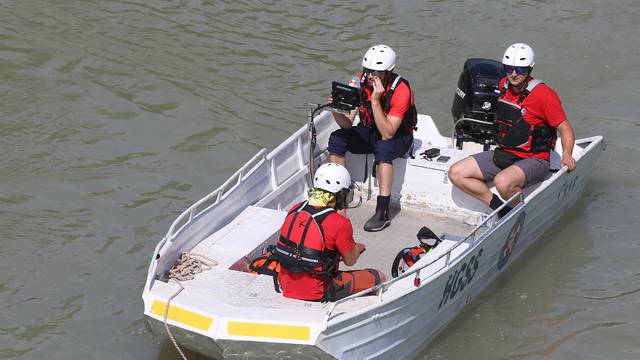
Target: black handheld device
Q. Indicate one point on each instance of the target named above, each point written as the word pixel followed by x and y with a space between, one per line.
pixel 430 153
pixel 443 159
pixel 345 97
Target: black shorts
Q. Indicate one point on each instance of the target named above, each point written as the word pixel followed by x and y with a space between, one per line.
pixel 361 140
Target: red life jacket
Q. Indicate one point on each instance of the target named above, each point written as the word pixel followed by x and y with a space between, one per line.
pixel 410 119
pixel 514 132
pixel 301 246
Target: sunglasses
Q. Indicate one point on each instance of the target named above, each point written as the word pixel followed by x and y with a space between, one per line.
pixel 378 73
pixel 518 69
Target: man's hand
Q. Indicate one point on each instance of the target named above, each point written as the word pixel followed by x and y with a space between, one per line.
pixel 378 90
pixel 569 161
pixel 344 121
pixel 568 138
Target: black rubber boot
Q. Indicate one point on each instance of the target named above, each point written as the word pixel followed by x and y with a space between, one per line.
pixel 496 202
pixel 380 219
pixel 504 211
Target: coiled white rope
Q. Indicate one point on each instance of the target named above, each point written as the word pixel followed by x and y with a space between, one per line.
pixel 186 268
pixel 189 265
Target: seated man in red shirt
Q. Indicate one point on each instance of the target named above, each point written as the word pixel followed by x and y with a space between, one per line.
pixel 315 237
pixel 387 120
pixel 527 116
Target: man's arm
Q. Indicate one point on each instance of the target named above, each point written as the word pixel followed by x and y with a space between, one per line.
pixel 567 138
pixel 350 258
pixel 345 121
pixel 387 125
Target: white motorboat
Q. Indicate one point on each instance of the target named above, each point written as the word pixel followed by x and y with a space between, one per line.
pixel 228 312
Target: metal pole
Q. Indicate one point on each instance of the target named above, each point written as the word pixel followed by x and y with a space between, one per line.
pixel 312 143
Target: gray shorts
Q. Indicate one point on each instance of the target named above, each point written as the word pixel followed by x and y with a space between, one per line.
pixel 534 169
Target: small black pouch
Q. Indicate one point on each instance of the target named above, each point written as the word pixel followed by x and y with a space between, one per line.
pixel 503 159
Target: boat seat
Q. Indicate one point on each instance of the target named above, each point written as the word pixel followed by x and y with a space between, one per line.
pixel 253 228
pixel 355 162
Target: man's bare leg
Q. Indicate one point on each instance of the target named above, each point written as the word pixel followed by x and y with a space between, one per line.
pixel 509 182
pixel 466 175
pixel 385 178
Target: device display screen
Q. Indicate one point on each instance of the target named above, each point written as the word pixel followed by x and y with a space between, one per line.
pixel 345 97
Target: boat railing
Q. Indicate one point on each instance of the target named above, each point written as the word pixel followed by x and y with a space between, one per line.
pixel 472 238
pixel 193 211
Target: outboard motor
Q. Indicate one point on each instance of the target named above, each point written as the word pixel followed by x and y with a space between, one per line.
pixel 475 101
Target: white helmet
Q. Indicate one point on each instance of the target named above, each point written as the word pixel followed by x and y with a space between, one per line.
pixel 519 54
pixel 379 57
pixel 332 177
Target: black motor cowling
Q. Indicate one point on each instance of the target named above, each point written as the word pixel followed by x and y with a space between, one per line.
pixel 475 98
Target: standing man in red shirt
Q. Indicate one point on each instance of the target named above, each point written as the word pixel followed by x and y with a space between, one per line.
pixel 387 120
pixel 528 114
pixel 315 237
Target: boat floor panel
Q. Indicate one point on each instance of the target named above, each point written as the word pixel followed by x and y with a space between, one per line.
pixel 383 246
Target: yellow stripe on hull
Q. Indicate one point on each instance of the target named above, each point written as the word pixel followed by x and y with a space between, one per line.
pixel 182 316
pixel 290 332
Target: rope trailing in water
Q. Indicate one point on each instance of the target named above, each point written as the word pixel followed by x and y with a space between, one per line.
pixel 186 268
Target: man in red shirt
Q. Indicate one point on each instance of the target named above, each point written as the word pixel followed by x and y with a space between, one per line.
pixel 528 114
pixel 387 118
pixel 315 237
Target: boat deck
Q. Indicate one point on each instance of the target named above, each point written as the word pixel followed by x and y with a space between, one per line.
pixel 237 290
pixel 383 246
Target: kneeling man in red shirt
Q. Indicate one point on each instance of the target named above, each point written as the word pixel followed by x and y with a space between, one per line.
pixel 315 237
